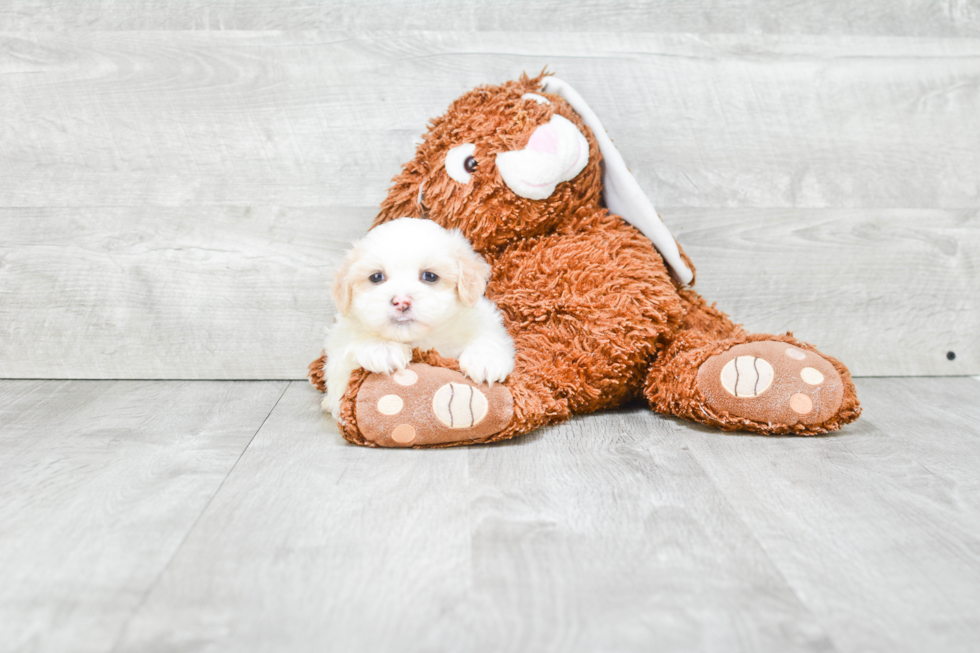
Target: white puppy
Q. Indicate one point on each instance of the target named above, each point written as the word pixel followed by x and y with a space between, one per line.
pixel 410 283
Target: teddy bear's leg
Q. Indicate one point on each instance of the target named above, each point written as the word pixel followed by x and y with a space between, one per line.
pixel 315 372
pixel 432 404
pixel 715 373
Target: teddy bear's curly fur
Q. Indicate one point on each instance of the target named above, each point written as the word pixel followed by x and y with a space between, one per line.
pixel 596 317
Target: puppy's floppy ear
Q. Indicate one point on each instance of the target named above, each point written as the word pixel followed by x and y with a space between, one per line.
pixel 343 284
pixel 473 272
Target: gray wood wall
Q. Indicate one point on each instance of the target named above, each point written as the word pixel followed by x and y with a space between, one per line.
pixel 177 179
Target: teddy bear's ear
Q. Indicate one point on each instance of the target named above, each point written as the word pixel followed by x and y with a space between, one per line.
pixel 621 191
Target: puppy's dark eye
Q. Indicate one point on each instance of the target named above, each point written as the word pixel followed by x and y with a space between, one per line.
pixel 430 277
pixel 377 277
pixel 470 164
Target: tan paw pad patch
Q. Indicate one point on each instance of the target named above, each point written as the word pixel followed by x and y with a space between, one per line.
pixel 801 404
pixel 403 433
pixel 771 382
pixel 795 353
pixel 811 376
pixel 390 405
pixel 424 405
pixel 405 377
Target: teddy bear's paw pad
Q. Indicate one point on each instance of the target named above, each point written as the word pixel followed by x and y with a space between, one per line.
pixel 772 383
pixel 424 406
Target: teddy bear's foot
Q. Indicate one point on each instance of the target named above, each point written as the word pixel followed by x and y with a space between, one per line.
pixel 424 406
pixel 772 383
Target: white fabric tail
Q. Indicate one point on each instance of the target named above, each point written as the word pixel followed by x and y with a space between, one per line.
pixel 621 191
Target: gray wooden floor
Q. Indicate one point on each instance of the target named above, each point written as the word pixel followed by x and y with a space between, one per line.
pixel 230 516
pixel 181 177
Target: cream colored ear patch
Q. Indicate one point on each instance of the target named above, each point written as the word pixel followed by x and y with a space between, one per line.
pixel 746 376
pixel 459 406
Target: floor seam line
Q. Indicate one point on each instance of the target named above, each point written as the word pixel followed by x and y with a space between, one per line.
pixel 755 538
pixel 180 546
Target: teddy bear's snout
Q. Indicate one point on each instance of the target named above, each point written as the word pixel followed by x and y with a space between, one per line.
pixel 544 140
pixel 556 152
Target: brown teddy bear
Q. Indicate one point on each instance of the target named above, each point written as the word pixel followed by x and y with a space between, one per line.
pixel 597 316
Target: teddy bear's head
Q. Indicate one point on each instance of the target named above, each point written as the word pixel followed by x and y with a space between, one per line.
pixel 504 162
pixel 515 161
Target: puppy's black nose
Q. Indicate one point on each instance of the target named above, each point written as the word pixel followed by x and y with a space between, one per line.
pixel 401 302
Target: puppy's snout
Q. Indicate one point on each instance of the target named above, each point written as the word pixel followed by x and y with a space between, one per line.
pixel 401 302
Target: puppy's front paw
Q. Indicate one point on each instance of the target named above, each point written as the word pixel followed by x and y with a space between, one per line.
pixel 330 405
pixel 486 363
pixel 383 357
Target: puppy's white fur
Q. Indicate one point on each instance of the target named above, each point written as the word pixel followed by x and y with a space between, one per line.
pixel 393 266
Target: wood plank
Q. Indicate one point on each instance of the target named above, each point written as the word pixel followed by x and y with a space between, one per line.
pixel 101 483
pixel 326 118
pixel 314 543
pixel 237 292
pixel 603 534
pixel 919 18
pixel 877 529
pixel 624 531
pixel 213 293
pixel 890 293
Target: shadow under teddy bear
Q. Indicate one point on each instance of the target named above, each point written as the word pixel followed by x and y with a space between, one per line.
pixel 597 317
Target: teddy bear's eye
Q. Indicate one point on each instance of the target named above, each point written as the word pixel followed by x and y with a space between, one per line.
pixel 430 277
pixel 460 162
pixel 377 277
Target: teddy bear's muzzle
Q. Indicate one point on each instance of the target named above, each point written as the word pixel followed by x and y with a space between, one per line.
pixel 556 152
